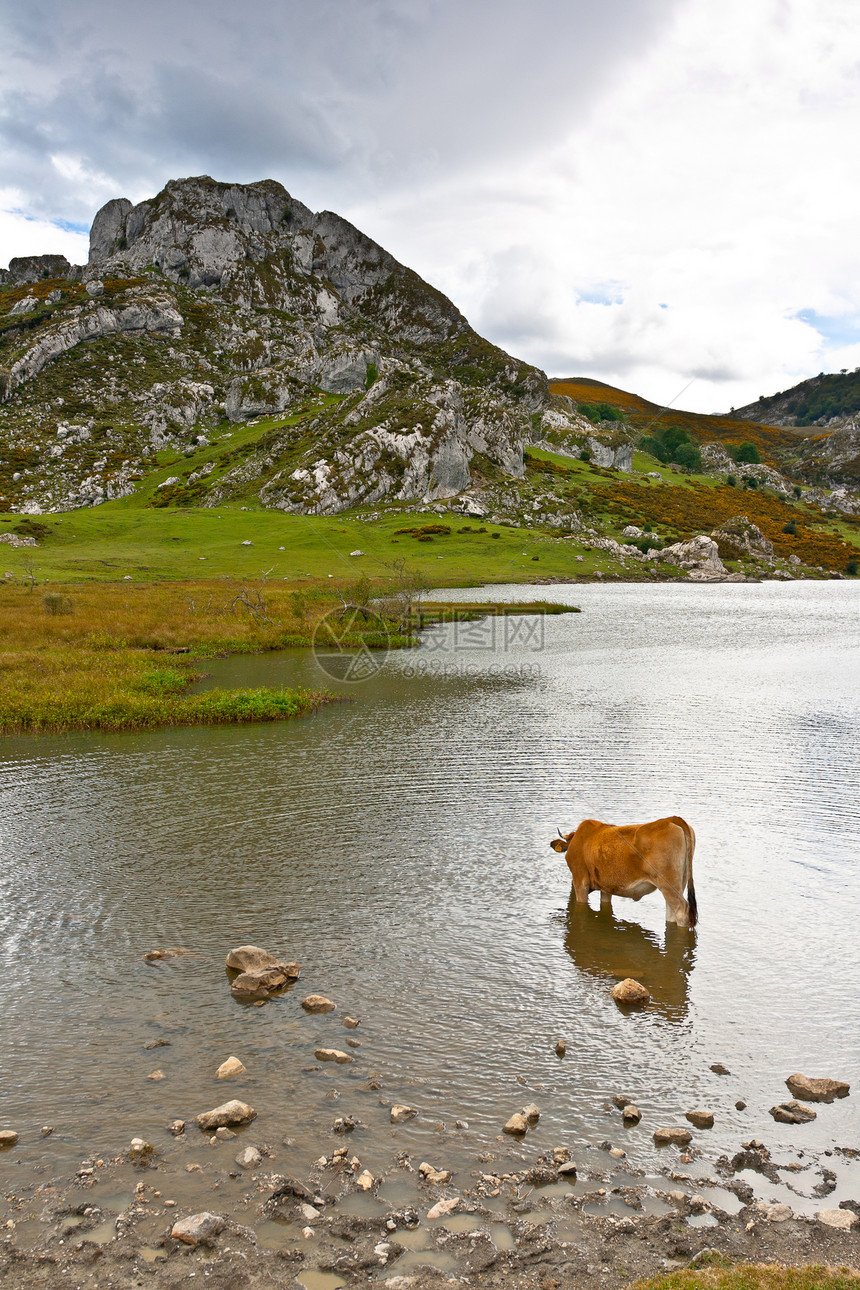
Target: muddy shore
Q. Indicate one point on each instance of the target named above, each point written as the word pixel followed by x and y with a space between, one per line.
pixel 560 1220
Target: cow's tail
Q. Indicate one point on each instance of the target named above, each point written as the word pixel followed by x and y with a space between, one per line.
pixel 691 890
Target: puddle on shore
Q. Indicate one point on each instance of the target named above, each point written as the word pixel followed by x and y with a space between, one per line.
pixel 437 1259
pixel 314 1279
pixel 360 1204
pixel 702 1220
pixel 415 1238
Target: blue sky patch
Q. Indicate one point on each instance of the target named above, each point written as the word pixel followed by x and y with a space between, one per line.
pixel 835 329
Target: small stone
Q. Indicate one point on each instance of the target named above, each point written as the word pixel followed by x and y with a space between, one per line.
pixel 199 1227
pixel 701 1119
pixel 176 1127
pixel 560 1048
pixel 400 1114
pixel 262 982
pixel 249 1158
pixel 560 1155
pixel 46 1130
pixel 224 1134
pixel 160 956
pixel 170 1204
pixel 617 1152
pixel 8 1138
pixel 318 1003
pixel 436 1176
pixel 350 1023
pixel 719 1069
pixel 775 1213
pixel 308 1232
pixel 677 1135
pixel 817 1090
pixel 332 1055
pixel 140 1150
pixel 792 1113
pixel 461 1124
pixel 354 1043
pixel 517 1125
pixel 308 1212
pixel 232 1066
pixel 157 1043
pixel 344 1124
pixel 740 1105
pixel 630 993
pixel 364 1181
pixel 843 1219
pixel 619 1100
pixel 443 1207
pixel 233 1112
pixel 532 1114
pixel 631 1114
pixel 697 1204
pixel 678 1197
pixel 156 1075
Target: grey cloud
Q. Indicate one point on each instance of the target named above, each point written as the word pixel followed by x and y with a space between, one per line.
pixel 350 96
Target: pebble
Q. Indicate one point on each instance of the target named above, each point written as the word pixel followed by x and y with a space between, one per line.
pixel 443 1207
pixel 400 1114
pixel 249 1158
pixel 461 1124
pixel 630 992
pixel 560 1048
pixel 224 1134
pixel 677 1135
pixel 560 1155
pixel 156 1075
pixel 617 1152
pixel 364 1181
pixel 233 1112
pixel 332 1055
pixel 308 1212
pixel 719 1069
pixel 232 1066
pixel 8 1138
pixel 350 1023
pixel 354 1043
pixel 176 1127
pixel 46 1130
pixel 307 1232
pixel 436 1176
pixel 631 1114
pixel 531 1113
pixel 740 1105
pixel 318 1003
pixel 198 1227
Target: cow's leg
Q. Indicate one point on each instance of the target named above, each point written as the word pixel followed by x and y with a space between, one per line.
pixel 606 901
pixel 677 909
pixel 581 892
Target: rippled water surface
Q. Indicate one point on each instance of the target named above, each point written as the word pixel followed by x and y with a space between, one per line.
pixel 397 847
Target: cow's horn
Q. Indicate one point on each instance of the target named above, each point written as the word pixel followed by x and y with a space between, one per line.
pixel 560 834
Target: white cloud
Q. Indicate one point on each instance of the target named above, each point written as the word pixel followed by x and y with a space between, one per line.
pixel 23 235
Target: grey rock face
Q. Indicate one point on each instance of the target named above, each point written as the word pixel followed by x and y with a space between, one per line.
pixel 108 230
pixel 36 268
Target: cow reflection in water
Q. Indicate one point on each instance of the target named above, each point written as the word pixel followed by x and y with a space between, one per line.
pixel 604 946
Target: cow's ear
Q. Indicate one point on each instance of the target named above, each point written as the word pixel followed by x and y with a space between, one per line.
pixel 558 844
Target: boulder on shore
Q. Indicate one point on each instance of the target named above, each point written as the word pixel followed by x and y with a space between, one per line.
pixel 792 1113
pixel 817 1090
pixel 630 993
pixel 197 1227
pixel 233 1112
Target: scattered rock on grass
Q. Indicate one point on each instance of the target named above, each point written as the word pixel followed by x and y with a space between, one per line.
pixel 817 1090
pixel 630 993
pixel 196 1228
pixel 792 1113
pixel 233 1112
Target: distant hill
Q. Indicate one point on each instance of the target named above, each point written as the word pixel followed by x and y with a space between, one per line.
pixel 817 401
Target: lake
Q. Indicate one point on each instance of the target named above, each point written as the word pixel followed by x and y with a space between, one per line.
pixel 397 846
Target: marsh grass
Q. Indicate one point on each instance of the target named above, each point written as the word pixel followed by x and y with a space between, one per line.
pixel 756 1276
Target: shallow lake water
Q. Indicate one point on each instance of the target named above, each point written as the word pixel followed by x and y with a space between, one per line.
pixel 397 846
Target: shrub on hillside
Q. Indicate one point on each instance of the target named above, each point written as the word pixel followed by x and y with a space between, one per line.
pixel 672 444
pixel 747 453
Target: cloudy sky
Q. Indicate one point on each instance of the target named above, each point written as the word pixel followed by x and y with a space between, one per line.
pixel 658 193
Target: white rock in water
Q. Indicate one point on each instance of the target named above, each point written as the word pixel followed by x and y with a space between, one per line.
pixel 156 1075
pixel 332 1055
pixel 232 1066
pixel 618 1152
pixel 843 1219
pixel 400 1114
pixel 233 1112
pixel 443 1207
pixel 531 1113
pixel 318 1003
pixel 436 1176
pixel 198 1227
pixel 249 1158
pixel 308 1212
pixel 364 1181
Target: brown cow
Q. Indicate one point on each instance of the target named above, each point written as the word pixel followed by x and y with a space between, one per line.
pixel 634 860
